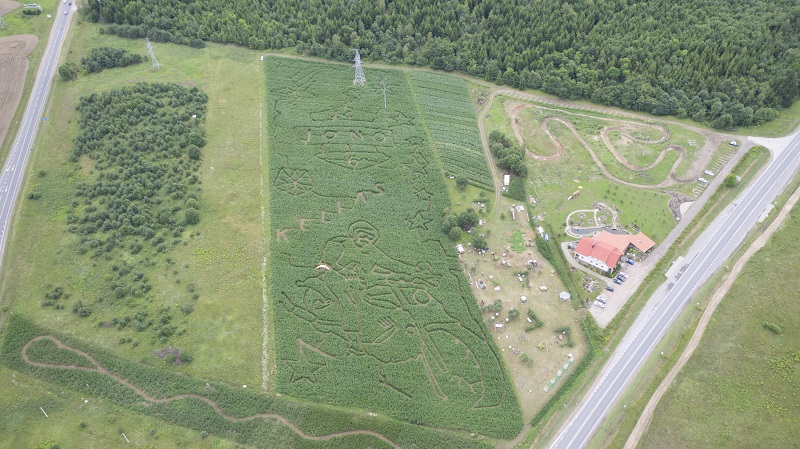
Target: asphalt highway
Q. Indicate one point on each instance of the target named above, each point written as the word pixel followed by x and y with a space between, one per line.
pixel 13 175
pixel 711 249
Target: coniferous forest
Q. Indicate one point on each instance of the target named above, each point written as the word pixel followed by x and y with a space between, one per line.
pixel 724 62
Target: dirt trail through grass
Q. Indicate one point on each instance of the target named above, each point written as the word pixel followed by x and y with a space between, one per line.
pixel 265 416
pixel 647 413
pixel 672 179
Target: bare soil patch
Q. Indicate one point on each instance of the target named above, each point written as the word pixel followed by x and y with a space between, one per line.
pixel 8 5
pixel 14 64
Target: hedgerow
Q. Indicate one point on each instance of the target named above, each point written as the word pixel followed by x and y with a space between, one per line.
pixel 192 412
pixel 372 309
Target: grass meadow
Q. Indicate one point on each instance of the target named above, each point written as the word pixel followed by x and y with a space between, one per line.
pixel 221 262
pixel 740 388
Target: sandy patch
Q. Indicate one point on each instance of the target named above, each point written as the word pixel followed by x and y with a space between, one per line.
pixel 685 207
pixel 13 67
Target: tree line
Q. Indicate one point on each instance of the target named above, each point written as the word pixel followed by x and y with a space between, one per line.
pixel 725 62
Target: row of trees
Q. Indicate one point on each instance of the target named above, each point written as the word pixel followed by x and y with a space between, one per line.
pixel 691 58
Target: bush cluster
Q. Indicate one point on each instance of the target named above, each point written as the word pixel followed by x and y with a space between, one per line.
pixel 107 57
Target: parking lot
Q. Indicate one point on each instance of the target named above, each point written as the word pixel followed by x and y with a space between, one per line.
pixel 616 299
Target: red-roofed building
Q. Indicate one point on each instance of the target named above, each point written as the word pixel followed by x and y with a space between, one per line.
pixel 622 241
pixel 604 250
pixel 598 254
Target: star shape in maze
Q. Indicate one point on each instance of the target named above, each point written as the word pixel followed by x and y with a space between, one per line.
pixel 416 167
pixel 418 221
pixel 423 195
pixel 294 182
pixel 303 368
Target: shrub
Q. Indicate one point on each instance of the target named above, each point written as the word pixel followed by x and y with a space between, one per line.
pixel 772 326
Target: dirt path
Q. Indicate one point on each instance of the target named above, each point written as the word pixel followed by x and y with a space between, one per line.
pixel 265 416
pixel 487 153
pixel 647 413
pixel 672 177
pixel 14 64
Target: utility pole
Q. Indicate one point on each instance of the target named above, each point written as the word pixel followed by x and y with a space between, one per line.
pixel 358 79
pixel 156 65
pixel 383 85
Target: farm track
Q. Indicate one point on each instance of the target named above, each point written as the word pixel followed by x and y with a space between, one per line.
pixel 265 416
pixel 672 177
pixel 14 65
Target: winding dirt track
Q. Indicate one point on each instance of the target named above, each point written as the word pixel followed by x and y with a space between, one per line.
pixel 672 179
pixel 265 416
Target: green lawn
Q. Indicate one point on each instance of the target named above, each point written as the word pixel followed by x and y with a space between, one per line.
pixel 741 387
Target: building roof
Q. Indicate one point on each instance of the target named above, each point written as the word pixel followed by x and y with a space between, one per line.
pixel 621 241
pixel 642 242
pixel 603 251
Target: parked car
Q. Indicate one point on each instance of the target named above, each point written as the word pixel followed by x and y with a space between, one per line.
pixel 629 261
pixel 709 172
pixel 617 281
pixel 601 298
pixel 703 180
pixel 734 143
pixel 599 304
pixel 623 276
pixel 609 288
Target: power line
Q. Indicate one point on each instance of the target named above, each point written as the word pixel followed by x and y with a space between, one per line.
pixel 156 65
pixel 359 76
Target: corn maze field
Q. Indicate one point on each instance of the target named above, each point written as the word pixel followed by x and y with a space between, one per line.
pixel 372 310
pixel 451 121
